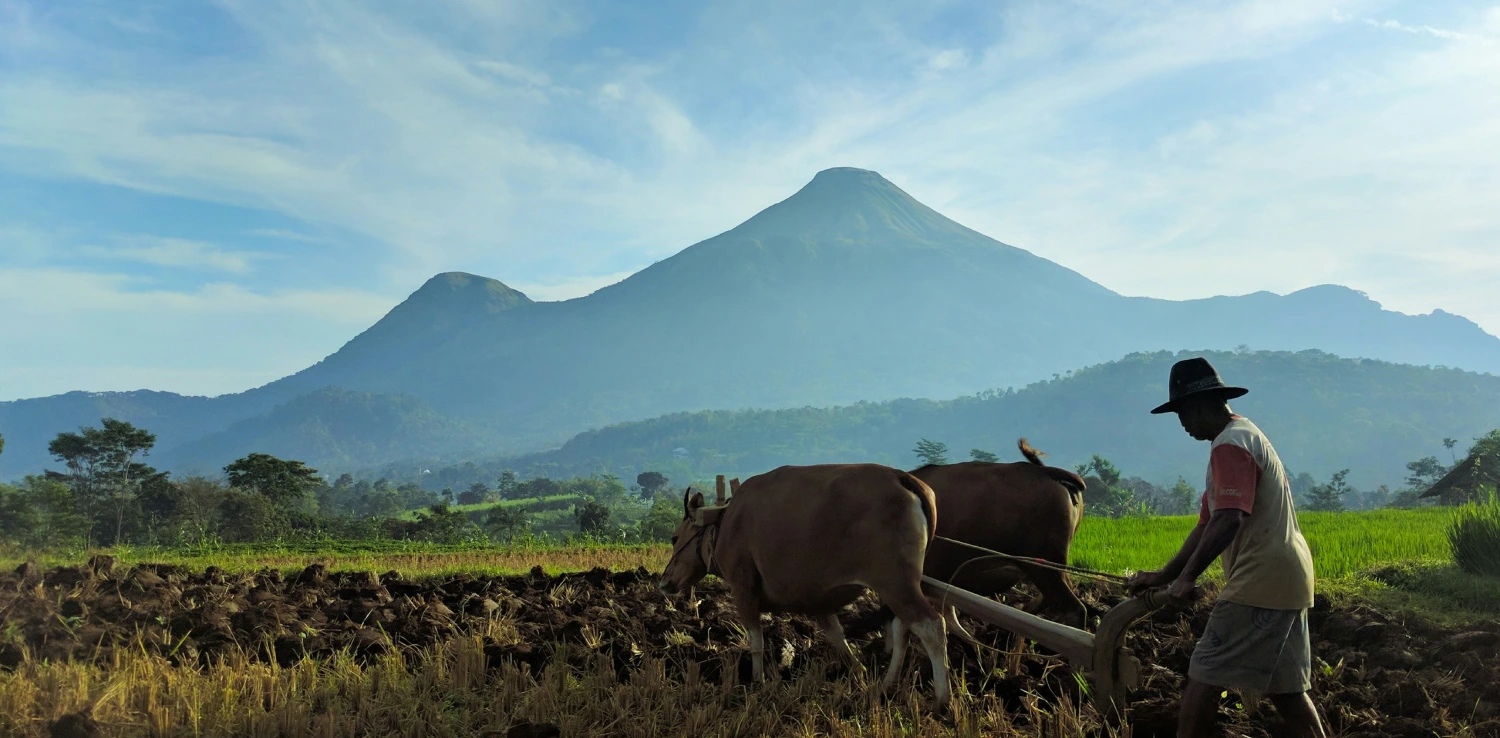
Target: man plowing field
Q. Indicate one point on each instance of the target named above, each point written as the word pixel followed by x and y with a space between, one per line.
pixel 1256 640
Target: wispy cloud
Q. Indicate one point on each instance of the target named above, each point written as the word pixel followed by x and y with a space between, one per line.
pixel 177 253
pixel 1430 31
pixel 285 235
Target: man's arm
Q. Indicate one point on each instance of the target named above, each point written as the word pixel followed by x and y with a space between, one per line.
pixel 1169 572
pixel 1213 539
pixel 1189 547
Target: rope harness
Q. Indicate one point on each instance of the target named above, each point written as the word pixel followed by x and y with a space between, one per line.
pixel 1103 576
pixel 705 534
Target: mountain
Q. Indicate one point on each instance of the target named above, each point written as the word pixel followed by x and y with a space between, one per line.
pixel 848 290
pixel 1322 412
pixel 332 429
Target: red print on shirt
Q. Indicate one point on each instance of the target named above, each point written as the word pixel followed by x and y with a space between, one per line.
pixel 1235 476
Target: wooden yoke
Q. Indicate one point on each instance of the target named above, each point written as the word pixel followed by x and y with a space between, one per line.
pixel 734 486
pixel 719 490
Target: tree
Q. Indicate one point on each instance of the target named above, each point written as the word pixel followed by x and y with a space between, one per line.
pixel 247 516
pixel 506 522
pixel 1424 472
pixel 650 483
pixel 40 513
pixel 102 468
pixel 661 520
pixel 283 482
pixel 476 493
pixel 538 487
pixel 931 452
pixel 1180 499
pixel 1448 443
pixel 592 518
pixel 506 485
pixel 198 504
pixel 979 455
pixel 1329 497
pixel 447 496
pixel 1104 493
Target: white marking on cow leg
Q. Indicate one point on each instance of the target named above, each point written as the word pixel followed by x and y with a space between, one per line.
pixel 934 639
pixel 890 637
pixel 833 630
pixel 898 654
pixel 757 652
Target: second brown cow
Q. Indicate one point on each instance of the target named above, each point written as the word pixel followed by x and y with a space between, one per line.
pixel 1022 509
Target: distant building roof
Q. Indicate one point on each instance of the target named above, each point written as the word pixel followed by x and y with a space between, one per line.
pixel 1481 468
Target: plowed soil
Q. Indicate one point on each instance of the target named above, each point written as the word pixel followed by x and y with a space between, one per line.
pixel 1376 674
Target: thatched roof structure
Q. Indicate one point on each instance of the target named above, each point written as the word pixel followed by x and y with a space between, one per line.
pixel 1478 470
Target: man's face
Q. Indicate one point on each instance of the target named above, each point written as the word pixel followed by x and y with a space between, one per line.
pixel 1197 416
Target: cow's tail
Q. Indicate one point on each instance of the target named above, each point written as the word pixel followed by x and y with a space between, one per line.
pixel 1070 481
pixel 925 499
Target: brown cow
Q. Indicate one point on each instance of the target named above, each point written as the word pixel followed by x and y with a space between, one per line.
pixel 810 540
pixel 1023 509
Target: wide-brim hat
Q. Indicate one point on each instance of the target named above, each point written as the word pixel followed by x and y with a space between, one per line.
pixel 1195 377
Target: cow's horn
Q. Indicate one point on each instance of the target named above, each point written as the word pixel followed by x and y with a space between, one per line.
pixel 687 493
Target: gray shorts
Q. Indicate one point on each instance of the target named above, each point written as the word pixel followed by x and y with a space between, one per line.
pixel 1254 651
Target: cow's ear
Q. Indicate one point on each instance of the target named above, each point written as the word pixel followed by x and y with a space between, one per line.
pixel 696 501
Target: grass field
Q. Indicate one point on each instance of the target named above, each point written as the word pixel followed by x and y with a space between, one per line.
pixel 1342 544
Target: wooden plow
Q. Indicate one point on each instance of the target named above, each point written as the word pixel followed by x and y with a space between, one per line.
pixel 1111 667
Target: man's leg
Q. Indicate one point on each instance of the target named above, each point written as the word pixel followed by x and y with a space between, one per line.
pixel 1300 715
pixel 1199 708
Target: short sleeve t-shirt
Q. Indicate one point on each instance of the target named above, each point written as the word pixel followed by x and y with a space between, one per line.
pixel 1268 563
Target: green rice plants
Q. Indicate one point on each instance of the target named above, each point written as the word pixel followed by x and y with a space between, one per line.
pixel 1474 537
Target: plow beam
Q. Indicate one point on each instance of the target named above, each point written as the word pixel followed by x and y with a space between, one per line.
pixel 1112 668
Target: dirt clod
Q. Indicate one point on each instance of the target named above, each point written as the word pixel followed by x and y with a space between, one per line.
pixel 74 725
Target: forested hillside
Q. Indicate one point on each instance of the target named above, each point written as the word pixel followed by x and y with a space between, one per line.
pixel 1324 413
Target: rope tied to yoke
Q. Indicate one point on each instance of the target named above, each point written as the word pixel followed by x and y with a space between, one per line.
pixel 1102 576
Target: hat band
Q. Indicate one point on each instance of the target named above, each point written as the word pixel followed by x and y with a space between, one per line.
pixel 1202 384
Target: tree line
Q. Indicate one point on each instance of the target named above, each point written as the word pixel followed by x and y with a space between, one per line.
pixel 1111 494
pixel 106 494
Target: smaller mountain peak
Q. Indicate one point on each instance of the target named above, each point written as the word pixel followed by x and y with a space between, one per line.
pixel 466 291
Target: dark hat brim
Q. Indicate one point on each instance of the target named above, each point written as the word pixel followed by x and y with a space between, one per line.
pixel 1228 393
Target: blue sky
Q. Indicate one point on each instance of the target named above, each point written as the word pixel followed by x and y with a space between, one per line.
pixel 202 197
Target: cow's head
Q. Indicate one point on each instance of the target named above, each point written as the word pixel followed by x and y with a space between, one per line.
pixel 688 565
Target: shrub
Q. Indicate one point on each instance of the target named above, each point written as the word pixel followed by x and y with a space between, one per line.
pixel 1474 536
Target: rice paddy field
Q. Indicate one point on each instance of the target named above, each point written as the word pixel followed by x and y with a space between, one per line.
pixel 360 639
pixel 1343 544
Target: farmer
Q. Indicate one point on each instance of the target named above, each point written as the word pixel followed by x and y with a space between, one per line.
pixel 1256 640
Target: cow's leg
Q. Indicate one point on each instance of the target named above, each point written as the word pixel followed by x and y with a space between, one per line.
pixel 757 651
pixel 914 611
pixel 897 636
pixel 1057 597
pixel 833 630
pixel 747 608
pixel 934 639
